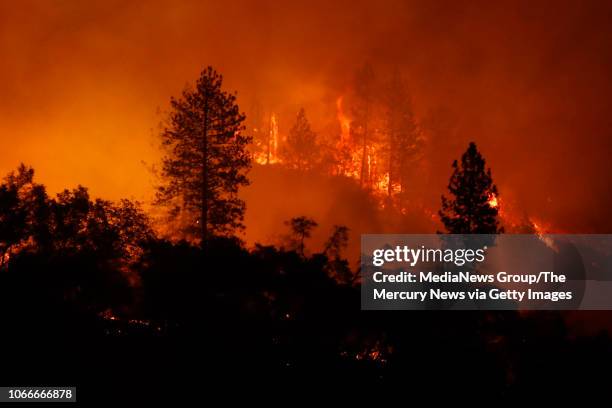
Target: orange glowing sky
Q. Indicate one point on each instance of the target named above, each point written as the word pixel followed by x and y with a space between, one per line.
pixel 83 83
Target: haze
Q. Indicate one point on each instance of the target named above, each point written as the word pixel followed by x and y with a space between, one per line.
pixel 84 85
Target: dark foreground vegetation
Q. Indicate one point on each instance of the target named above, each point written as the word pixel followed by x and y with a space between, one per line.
pixel 89 296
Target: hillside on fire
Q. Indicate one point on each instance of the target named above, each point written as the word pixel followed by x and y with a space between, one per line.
pixel 116 294
pixel 186 186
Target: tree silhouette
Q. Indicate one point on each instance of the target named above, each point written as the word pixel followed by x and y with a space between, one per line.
pixel 301 150
pixel 254 123
pixel 207 160
pixel 402 139
pixel 23 212
pixel 70 212
pixel 362 112
pixel 337 267
pixel 69 251
pixel 337 242
pixel 468 210
pixel 301 227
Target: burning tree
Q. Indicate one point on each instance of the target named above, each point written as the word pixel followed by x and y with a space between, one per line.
pixel 401 132
pixel 264 128
pixel 471 209
pixel 206 159
pixel 362 111
pixel 255 125
pixel 301 150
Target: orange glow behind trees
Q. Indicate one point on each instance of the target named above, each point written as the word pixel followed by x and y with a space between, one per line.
pixel 83 90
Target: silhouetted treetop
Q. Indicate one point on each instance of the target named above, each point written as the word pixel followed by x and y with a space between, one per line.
pixel 206 159
pixel 402 139
pixel 301 229
pixel 301 151
pixel 364 92
pixel 23 211
pixel 468 210
pixel 71 222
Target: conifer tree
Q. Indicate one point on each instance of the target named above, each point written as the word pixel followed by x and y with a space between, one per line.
pixel 362 111
pixel 301 150
pixel 207 160
pixel 402 142
pixel 469 209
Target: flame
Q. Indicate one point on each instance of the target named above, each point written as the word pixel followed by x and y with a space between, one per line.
pixel 493 201
pixel 368 175
pixel 377 181
pixel 541 231
pixel 273 140
pixel 377 353
pixel 344 120
pixel 383 183
pixel 108 315
pixel 540 227
pixel 4 259
pixel 268 154
pixel 350 155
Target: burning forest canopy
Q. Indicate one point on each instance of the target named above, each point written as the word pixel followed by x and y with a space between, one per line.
pixel 357 110
pixel 86 85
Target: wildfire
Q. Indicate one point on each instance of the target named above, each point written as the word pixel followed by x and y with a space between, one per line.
pixel 377 353
pixel 273 140
pixel 370 168
pixel 108 315
pixel 370 164
pixel 367 168
pixel 4 259
pixel 383 184
pixel 540 227
pixel 268 153
pixel 541 231
pixel 344 120
pixel 493 201
pixel 349 156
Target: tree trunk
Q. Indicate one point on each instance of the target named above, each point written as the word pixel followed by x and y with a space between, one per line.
pixel 364 151
pixel 204 214
pixel 389 185
pixel 269 140
pixel 363 161
pixel 302 246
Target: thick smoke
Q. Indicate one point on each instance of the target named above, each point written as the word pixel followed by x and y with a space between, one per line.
pixel 84 86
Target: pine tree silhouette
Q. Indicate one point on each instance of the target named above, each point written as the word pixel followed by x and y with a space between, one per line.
pixel 469 209
pixel 362 112
pixel 402 142
pixel 301 150
pixel 206 159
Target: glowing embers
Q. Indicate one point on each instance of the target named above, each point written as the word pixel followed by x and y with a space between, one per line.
pixel 493 201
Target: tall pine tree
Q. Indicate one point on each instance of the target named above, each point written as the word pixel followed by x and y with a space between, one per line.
pixel 363 89
pixel 206 161
pixel 402 142
pixel 469 210
pixel 301 151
